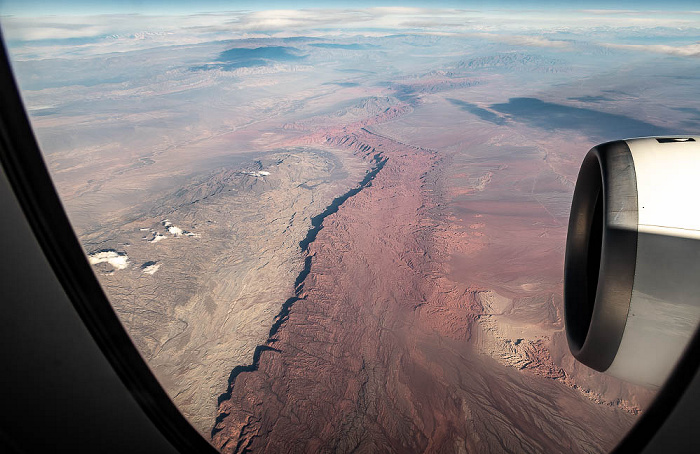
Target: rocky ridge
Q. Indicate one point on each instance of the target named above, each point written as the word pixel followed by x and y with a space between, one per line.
pixel 376 354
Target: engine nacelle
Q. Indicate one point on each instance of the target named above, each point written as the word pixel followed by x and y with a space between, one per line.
pixel 632 270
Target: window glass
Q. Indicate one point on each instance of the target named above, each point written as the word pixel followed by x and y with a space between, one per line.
pixel 342 227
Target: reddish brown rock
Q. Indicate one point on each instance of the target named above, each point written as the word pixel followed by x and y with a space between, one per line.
pixel 376 355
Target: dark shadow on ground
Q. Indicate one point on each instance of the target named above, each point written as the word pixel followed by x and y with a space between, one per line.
pixel 484 114
pixel 550 116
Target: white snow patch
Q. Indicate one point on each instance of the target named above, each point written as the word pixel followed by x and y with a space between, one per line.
pixel 119 260
pixel 151 269
pixel 257 174
pixel 173 230
pixel 157 237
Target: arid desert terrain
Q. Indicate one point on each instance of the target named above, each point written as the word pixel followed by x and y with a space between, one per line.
pixel 350 241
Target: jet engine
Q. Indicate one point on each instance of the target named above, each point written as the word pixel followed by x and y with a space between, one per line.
pixel 632 268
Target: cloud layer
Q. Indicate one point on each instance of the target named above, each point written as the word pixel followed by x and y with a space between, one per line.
pixel 531 28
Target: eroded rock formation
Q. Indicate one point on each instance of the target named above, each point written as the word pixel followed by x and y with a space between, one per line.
pixel 377 354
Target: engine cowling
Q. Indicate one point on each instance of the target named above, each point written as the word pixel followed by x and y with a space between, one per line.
pixel 632 268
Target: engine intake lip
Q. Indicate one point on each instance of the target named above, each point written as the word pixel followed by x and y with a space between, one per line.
pixel 601 253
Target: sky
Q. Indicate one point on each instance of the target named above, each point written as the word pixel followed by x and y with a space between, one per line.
pixel 90 7
pixel 109 26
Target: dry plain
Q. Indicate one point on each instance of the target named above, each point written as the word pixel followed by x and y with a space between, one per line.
pixel 356 245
